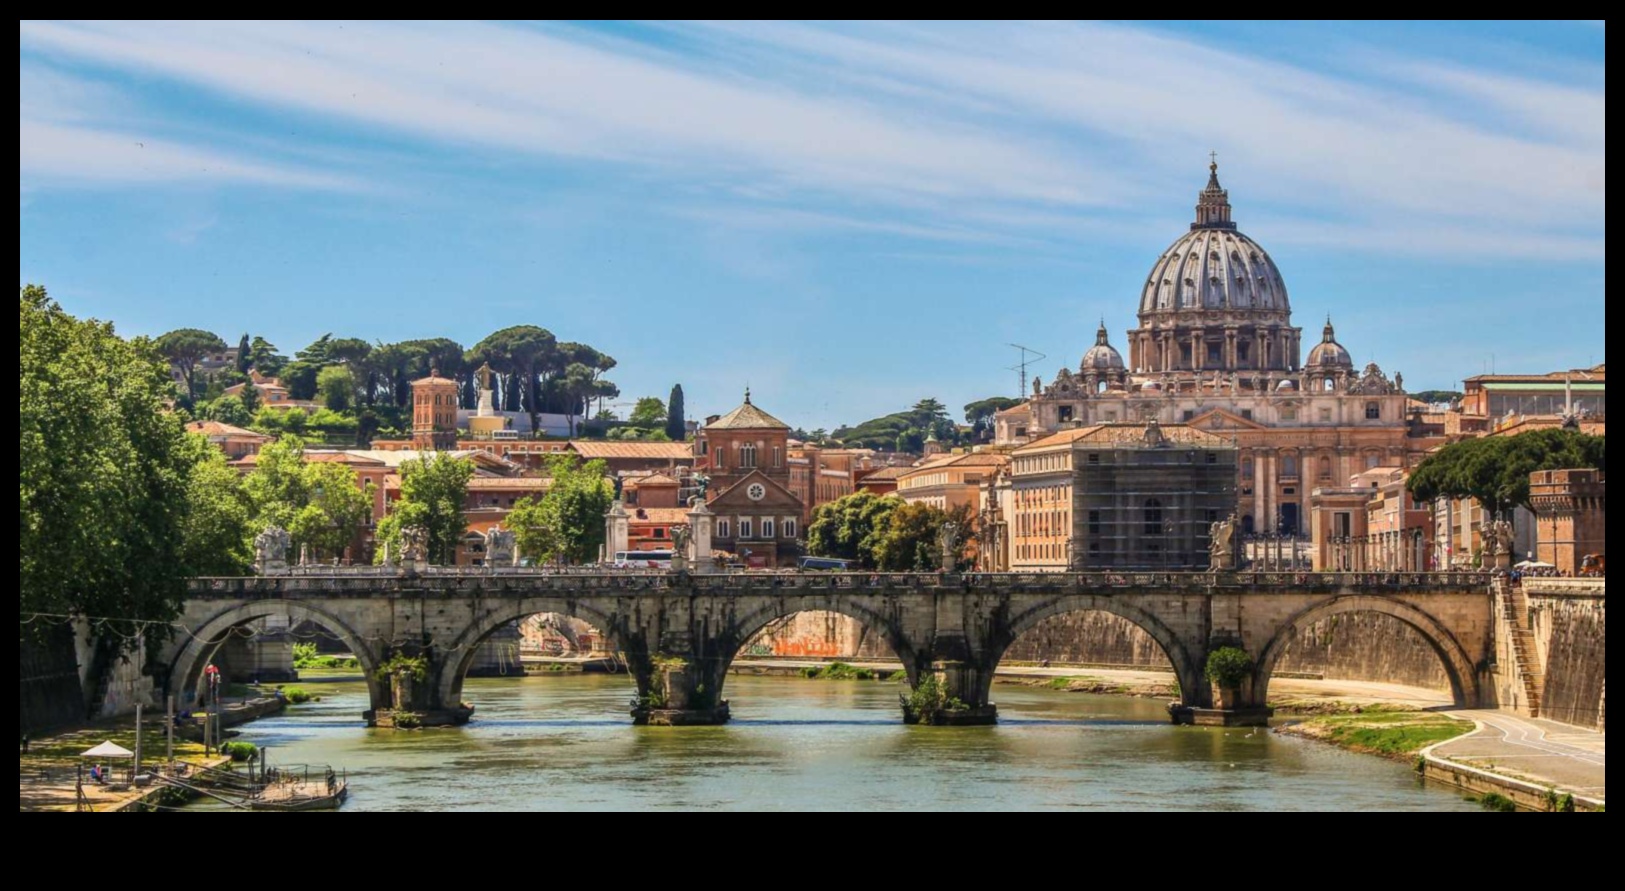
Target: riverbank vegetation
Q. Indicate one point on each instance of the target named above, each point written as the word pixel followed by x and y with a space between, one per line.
pixel 306 657
pixel 838 671
pixel 1389 731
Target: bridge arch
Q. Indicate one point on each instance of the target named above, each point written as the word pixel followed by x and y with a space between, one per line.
pixel 1182 654
pixel 185 675
pixel 1458 666
pixel 745 627
pixel 457 656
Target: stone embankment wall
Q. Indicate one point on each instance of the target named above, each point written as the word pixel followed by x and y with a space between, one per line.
pixel 1350 647
pixel 1571 635
pixel 49 695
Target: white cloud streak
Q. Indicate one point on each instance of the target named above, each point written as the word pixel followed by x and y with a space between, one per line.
pixel 932 131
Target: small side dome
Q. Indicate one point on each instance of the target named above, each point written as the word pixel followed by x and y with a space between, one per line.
pixel 1102 356
pixel 1329 353
pixel 1286 386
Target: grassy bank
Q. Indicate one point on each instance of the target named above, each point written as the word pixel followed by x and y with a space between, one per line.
pixel 1092 684
pixel 1389 731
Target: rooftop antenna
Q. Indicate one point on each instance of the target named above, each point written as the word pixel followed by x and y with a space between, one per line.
pixel 1021 369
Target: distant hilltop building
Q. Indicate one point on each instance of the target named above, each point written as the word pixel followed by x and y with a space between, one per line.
pixel 1215 349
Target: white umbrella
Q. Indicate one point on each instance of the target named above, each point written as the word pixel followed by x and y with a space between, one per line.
pixel 1532 564
pixel 107 749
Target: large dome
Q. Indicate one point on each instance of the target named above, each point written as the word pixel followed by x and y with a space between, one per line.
pixel 1213 266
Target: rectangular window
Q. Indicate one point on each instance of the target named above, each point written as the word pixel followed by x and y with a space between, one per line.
pixel 1373 411
pixel 722 529
pixel 1246 414
pixel 789 528
pixel 1325 414
pixel 1212 457
pixel 659 532
pixel 1111 416
pixel 1289 414
pixel 1065 413
pixel 1094 522
pixel 767 528
pixel 1188 413
pixel 1094 457
pixel 1289 490
pixel 744 528
pixel 1214 356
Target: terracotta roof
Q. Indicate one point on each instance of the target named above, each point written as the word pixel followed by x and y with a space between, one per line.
pixel 885 473
pixel 653 479
pixel 1022 409
pixel 527 483
pixel 975 459
pixel 1126 434
pixel 216 428
pixel 669 451
pixel 341 458
pixel 659 515
pixel 747 417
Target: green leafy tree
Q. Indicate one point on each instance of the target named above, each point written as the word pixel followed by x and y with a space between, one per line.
pixel 909 540
pixel 226 410
pixel 1494 470
pixel 676 429
pixel 245 354
pixel 851 527
pixel 103 492
pixel 215 533
pixel 433 491
pixel 566 525
pixel 184 348
pixel 320 504
pixel 649 412
pixel 265 359
pixel 337 385
pixel 577 384
pixel 979 414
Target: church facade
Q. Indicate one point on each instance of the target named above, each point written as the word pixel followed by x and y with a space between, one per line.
pixel 1215 349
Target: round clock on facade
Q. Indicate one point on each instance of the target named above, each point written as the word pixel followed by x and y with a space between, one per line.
pixel 756 492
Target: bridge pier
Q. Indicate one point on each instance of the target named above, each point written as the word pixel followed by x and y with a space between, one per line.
pixel 951 694
pixel 677 687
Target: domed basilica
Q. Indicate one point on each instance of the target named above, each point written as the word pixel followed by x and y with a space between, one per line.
pixel 1215 348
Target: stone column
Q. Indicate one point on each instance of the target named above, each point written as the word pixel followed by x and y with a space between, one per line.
pixel 617 530
pixel 1196 350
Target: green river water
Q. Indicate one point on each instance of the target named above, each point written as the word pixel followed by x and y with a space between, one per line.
pixel 564 742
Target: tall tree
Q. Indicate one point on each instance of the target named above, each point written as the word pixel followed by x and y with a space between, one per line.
pixel 566 525
pixel 337 385
pixel 576 382
pixel 215 532
pixel 244 354
pixel 675 426
pixel 909 541
pixel 265 359
pixel 521 352
pixel 649 412
pixel 184 348
pixel 320 504
pixel 104 471
pixel 979 414
pixel 433 490
pixel 1494 470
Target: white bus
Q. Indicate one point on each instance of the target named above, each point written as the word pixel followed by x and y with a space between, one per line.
pixel 642 560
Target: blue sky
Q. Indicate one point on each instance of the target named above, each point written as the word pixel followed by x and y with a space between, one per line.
pixel 847 218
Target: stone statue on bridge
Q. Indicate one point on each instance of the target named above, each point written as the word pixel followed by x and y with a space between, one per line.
pixel 1498 545
pixel 1222 544
pixel 414 545
pixel 948 540
pixel 271 549
pixel 499 547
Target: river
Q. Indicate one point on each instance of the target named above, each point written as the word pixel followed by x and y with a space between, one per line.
pixel 564 742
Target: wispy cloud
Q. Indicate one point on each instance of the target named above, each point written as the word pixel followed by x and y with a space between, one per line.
pixel 994 132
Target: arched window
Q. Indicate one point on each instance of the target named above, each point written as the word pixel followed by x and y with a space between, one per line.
pixel 1153 517
pixel 747 455
pixel 1371 459
pixel 1373 411
pixel 1289 466
pixel 1246 468
pixel 1325 467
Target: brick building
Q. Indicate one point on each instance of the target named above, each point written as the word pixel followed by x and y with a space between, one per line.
pixel 1571 510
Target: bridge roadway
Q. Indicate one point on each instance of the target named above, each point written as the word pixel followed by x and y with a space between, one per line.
pixel 679 631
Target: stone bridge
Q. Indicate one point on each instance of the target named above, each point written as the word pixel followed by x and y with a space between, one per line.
pixel 415 633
